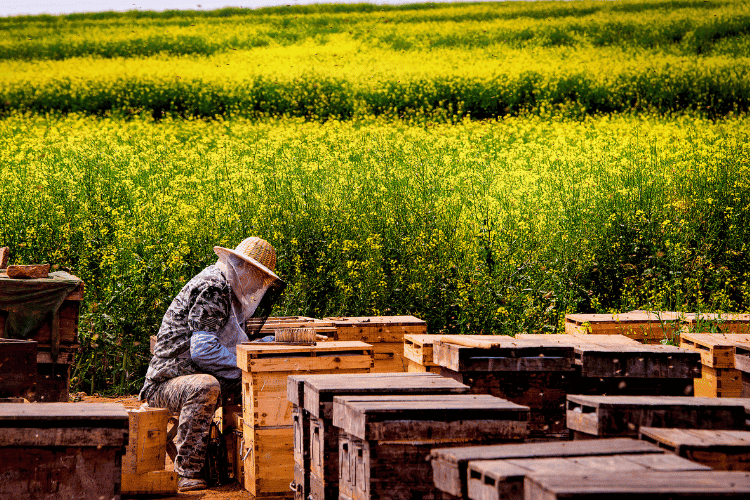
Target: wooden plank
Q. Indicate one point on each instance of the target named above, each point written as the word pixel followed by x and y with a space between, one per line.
pixel 718 449
pixel 715 352
pixel 656 484
pixel 506 354
pixel 161 482
pixel 414 367
pixel 647 327
pixel 111 415
pixel 636 361
pixel 623 415
pixel 147 440
pixel 377 328
pixel 450 464
pixel 418 417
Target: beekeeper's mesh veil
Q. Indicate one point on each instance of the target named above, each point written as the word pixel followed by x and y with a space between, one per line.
pixel 256 288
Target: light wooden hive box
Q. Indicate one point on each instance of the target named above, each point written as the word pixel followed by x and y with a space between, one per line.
pixel 317 439
pixel 143 465
pixel 720 376
pixel 267 413
pixel 385 333
pixel 52 451
pixel 385 441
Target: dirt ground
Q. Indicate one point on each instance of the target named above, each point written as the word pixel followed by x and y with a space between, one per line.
pixel 227 492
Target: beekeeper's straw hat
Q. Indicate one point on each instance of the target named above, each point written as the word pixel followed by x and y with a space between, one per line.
pixel 250 271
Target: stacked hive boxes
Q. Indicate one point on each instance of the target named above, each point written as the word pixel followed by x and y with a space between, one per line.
pixel 317 439
pixel 267 419
pixel 719 377
pixel 498 472
pixel 384 441
pixel 143 464
pixel 385 333
pixel 57 338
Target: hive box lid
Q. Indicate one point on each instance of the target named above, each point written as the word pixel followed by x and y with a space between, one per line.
pixel 47 415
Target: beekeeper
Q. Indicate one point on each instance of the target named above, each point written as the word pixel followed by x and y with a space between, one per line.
pixel 194 365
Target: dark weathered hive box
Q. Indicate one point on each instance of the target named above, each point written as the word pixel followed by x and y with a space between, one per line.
pixel 504 478
pixel 62 450
pixel 450 465
pixel 390 437
pixel 318 443
pixel 609 416
pixel 718 449
pixel 531 372
pixel 652 485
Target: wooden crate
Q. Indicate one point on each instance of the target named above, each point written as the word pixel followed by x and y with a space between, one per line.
pixel 268 406
pixel 377 329
pixel 450 465
pixel 714 350
pixel 265 368
pixel 17 368
pixel 269 461
pixel 610 416
pixel 147 441
pixel 652 485
pixel 319 391
pixel 719 383
pixel 718 449
pixel 62 450
pixel 527 372
pixel 504 478
pixel 396 434
pixel 645 327
pixel 418 352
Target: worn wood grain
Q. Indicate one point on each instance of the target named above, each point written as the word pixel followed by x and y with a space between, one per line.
pixel 719 383
pixel 623 415
pixel 715 351
pixel 161 482
pixel 718 449
pixel 450 464
pixel 147 440
pixel 503 354
pixel 18 360
pixel 677 484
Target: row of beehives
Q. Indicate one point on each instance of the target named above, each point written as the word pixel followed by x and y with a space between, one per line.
pixel 406 436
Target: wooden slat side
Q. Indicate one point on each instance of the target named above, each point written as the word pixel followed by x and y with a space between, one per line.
pixel 715 351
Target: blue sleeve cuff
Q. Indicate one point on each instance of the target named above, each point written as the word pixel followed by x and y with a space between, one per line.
pixel 210 355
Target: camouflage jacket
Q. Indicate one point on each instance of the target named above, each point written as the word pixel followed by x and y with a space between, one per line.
pixel 203 304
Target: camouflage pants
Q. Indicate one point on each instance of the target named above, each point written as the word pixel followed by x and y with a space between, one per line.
pixel 195 398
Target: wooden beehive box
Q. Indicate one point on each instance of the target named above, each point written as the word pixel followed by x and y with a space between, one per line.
pixel 533 373
pixel 17 368
pixel 57 339
pixel 742 361
pixel 652 485
pixel 645 327
pixel 621 416
pixel 385 333
pixel 718 449
pixel 720 377
pixel 62 450
pixel 388 438
pixel 418 353
pixel 504 478
pixel 267 413
pixel 320 441
pixel 450 465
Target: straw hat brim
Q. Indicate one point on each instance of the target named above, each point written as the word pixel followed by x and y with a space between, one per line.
pixel 221 250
